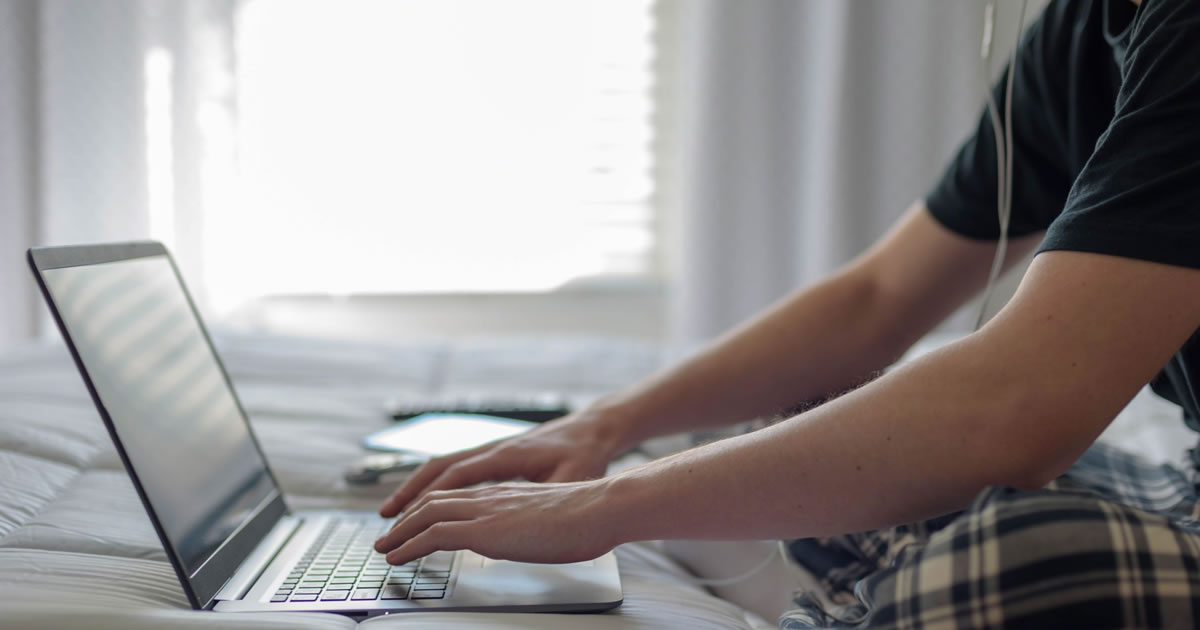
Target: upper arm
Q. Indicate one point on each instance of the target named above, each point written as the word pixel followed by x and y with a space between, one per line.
pixel 1082 335
pixel 922 271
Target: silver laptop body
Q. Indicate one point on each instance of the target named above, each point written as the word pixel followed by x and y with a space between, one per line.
pixel 184 438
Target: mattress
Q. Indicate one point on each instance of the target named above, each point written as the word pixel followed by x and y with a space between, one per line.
pixel 77 550
pixel 76 547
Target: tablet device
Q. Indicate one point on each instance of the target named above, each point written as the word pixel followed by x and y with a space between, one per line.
pixel 434 434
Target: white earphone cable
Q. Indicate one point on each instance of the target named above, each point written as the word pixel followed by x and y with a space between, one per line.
pixel 778 550
pixel 1004 149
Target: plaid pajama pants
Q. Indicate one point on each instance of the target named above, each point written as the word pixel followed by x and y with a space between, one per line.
pixel 1114 543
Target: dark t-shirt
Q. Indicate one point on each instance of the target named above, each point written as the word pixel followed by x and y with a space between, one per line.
pixel 1106 133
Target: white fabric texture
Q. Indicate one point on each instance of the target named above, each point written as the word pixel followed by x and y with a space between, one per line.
pixel 806 128
pixel 73 152
pixel 77 549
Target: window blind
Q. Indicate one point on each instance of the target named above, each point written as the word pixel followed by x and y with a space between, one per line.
pixel 405 146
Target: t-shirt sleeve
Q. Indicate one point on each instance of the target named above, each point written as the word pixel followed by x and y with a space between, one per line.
pixel 1139 194
pixel 964 199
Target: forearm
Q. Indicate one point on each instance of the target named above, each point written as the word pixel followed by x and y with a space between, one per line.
pixel 1014 404
pixel 919 442
pixel 820 341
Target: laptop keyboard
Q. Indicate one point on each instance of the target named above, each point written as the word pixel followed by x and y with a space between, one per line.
pixel 342 565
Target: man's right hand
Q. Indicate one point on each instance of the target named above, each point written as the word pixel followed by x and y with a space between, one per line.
pixel 573 448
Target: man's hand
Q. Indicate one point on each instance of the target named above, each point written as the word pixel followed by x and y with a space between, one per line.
pixel 574 448
pixel 526 522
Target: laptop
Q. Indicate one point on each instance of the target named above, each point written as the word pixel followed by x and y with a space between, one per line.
pixel 182 434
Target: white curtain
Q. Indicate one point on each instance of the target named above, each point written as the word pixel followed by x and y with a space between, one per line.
pixel 18 174
pixel 73 129
pixel 796 131
pixel 806 128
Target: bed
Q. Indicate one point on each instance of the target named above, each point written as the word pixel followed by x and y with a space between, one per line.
pixel 76 548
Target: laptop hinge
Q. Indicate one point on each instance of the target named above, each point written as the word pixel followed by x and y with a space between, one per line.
pixel 257 562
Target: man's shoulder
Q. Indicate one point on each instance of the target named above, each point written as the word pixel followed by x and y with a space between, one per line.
pixel 1063 25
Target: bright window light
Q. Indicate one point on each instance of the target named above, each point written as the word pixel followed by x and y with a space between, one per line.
pixel 393 146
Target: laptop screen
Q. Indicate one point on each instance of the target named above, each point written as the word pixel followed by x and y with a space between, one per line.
pixel 170 404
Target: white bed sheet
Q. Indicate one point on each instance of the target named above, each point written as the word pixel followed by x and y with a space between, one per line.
pixel 77 550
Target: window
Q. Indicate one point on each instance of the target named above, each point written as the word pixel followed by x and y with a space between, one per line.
pixel 409 146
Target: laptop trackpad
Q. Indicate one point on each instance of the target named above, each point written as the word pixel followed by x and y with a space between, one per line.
pixel 487 582
pixel 486 562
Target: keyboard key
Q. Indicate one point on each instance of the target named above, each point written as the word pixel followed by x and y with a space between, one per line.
pixel 320 571
pixel 334 596
pixel 279 598
pixel 428 594
pixel 394 592
pixel 343 580
pixel 400 580
pixel 365 594
pixel 308 590
pixel 303 597
pixel 432 581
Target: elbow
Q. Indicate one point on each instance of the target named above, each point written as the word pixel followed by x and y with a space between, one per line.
pixel 1032 467
pixel 1036 438
pixel 1037 475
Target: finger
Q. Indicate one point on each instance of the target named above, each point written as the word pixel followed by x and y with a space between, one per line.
pixel 441 495
pixel 484 467
pixel 437 537
pixel 415 521
pixel 413 486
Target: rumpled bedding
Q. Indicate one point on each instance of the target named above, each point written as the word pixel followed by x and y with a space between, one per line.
pixel 77 549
